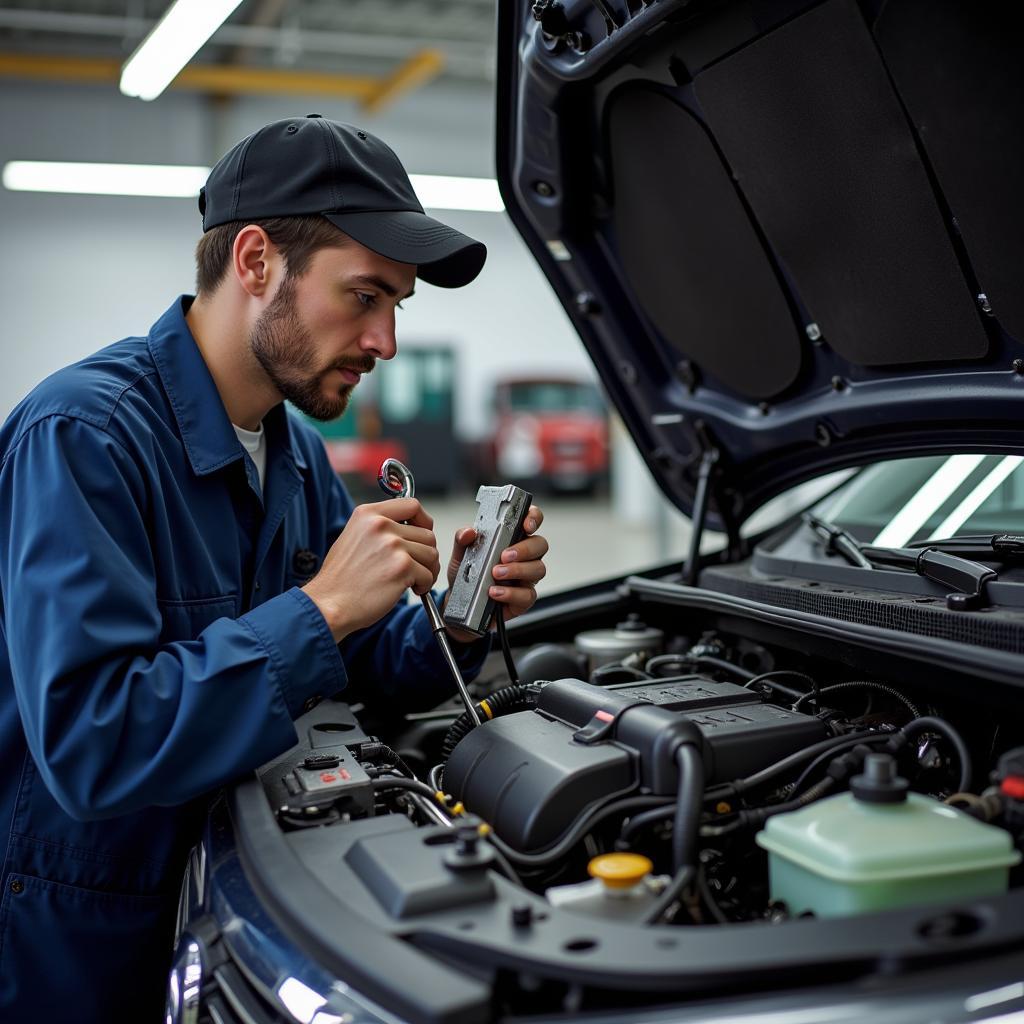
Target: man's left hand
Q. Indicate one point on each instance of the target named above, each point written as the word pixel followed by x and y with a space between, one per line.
pixel 515 576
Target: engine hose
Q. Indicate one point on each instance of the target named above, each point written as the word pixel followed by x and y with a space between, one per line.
pixel 376 751
pixel 685 831
pixel 502 702
pixel 689 803
pixel 863 685
pixel 931 724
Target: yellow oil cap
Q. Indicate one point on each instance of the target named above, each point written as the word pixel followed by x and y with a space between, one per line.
pixel 620 870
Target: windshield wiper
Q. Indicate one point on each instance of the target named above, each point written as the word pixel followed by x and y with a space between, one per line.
pixel 838 541
pixel 1001 547
pixel 967 579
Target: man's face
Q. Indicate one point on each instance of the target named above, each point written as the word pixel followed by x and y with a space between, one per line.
pixel 324 329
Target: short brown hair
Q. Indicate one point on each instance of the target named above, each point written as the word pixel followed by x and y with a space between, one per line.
pixel 298 238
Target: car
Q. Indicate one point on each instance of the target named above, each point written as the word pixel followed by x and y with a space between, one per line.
pixel 549 433
pixel 784 781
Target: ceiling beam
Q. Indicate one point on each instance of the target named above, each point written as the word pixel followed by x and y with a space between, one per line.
pixel 463 58
pixel 373 93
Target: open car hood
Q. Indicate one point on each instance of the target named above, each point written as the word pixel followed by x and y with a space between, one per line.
pixel 788 233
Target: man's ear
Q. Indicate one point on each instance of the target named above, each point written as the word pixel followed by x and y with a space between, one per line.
pixel 254 260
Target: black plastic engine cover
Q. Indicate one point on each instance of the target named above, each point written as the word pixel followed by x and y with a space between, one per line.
pixel 530 775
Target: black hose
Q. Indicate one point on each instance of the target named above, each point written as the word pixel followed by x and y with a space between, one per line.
pixel 584 824
pixel 689 803
pixel 769 677
pixel 397 782
pixel 813 766
pixel 685 830
pixel 704 888
pixel 640 821
pixel 436 777
pixel 794 760
pixel 930 724
pixel 659 660
pixel 679 884
pixel 501 702
pixel 724 666
pixel 506 649
pixel 377 751
pixel 864 685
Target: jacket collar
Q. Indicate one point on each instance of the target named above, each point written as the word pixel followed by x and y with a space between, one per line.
pixel 206 432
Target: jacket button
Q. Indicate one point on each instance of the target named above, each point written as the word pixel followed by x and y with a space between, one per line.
pixel 17 886
pixel 312 703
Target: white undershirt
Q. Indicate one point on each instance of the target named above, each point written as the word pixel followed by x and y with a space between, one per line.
pixel 255 443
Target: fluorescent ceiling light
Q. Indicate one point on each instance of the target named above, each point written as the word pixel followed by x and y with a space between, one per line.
pixel 172 43
pixel 974 500
pixel 105 179
pixel 440 192
pixel 934 493
pixel 434 191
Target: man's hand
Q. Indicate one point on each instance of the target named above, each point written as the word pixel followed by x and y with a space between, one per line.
pixel 385 548
pixel 515 577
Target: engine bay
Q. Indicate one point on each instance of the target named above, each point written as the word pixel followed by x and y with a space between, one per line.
pixel 638 782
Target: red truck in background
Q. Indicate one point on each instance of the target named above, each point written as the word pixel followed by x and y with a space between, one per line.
pixel 550 433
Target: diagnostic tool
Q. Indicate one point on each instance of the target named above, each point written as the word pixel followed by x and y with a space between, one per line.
pixel 499 524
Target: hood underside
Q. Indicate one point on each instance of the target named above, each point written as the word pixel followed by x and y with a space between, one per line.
pixel 787 232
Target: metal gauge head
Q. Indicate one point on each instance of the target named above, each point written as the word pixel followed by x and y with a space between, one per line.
pixel 396 479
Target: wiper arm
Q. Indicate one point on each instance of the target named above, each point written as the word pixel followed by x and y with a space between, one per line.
pixel 838 540
pixel 966 578
pixel 1001 547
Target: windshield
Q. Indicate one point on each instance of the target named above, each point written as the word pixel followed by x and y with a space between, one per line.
pixel 552 396
pixel 892 504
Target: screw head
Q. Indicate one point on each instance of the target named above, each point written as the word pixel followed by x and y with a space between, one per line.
pixel 522 915
pixel 17 886
pixel 764 408
pixel 1018 366
pixel 813 332
pixel 544 188
pixel 986 306
pixel 838 384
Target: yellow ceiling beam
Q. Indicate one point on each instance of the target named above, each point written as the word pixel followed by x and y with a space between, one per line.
pixel 373 93
pixel 419 69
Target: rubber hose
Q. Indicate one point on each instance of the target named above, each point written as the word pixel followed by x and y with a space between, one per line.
pixel 864 685
pixel 501 702
pixel 689 804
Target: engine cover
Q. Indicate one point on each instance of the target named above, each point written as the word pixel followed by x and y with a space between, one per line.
pixel 530 775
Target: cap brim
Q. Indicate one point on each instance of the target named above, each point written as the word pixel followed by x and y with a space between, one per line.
pixel 443 256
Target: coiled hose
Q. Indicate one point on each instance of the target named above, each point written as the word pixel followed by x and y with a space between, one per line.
pixel 502 702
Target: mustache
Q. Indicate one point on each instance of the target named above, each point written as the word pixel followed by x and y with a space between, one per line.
pixel 364 365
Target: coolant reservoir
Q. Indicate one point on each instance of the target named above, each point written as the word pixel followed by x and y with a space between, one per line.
pixel 879 847
pixel 621 888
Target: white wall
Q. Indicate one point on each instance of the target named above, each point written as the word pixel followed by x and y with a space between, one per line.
pixel 77 272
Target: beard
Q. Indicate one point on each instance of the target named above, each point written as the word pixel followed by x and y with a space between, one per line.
pixel 284 348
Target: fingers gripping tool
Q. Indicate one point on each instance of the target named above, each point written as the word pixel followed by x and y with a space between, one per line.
pixel 396 481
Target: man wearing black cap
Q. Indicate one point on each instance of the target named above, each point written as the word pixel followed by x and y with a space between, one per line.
pixel 181 573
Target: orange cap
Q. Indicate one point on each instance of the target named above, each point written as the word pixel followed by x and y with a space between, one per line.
pixel 620 870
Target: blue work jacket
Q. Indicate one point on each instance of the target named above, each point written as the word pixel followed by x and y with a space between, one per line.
pixel 154 645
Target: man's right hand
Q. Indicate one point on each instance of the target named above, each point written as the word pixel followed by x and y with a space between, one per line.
pixel 386 548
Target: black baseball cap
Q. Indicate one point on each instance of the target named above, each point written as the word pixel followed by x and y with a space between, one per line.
pixel 311 165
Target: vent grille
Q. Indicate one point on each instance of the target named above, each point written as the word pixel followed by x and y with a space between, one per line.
pixel 996 629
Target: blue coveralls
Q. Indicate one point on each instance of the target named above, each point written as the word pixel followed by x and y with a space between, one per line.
pixel 154 645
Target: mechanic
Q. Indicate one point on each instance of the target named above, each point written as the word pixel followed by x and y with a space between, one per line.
pixel 182 573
